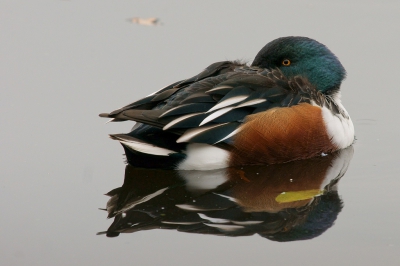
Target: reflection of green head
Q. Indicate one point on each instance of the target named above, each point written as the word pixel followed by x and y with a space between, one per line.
pixel 315 220
pixel 301 56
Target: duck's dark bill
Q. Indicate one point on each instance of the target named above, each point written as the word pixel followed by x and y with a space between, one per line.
pixel 284 202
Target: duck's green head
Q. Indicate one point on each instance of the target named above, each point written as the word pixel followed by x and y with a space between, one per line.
pixel 304 57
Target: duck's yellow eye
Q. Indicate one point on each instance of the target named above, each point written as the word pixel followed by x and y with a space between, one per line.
pixel 286 62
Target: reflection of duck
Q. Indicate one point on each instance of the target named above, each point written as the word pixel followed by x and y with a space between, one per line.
pixel 284 107
pixel 283 202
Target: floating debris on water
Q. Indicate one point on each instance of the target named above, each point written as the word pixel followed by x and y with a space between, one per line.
pixel 145 21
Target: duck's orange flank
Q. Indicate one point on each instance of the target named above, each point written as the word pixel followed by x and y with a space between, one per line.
pixel 281 135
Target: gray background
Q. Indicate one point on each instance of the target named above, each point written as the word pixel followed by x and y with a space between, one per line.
pixel 63 62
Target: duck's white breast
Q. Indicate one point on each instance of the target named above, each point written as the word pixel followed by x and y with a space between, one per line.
pixel 339 127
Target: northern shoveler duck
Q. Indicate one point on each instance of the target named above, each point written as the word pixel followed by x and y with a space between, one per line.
pixel 285 106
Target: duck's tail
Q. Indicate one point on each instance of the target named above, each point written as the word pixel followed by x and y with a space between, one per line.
pixel 143 154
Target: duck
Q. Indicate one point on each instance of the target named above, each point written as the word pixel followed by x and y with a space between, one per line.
pixel 284 106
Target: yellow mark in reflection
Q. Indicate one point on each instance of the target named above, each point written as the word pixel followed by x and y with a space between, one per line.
pixel 291 196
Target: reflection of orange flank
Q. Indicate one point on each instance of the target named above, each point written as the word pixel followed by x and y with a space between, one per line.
pixel 290 185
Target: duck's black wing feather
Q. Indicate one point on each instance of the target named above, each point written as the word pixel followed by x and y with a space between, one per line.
pixel 209 107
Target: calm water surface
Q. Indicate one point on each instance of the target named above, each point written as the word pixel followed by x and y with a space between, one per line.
pixel 63 62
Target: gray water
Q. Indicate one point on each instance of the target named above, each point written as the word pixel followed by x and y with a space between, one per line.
pixel 63 62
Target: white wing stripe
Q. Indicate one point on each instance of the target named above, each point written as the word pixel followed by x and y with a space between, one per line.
pixel 170 110
pixel 215 115
pixel 195 131
pixel 147 148
pixel 219 88
pixel 228 102
pixel 251 102
pixel 177 120
pixel 230 135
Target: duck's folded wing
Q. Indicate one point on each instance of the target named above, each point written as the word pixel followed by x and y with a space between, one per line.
pixel 210 109
pixel 151 101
